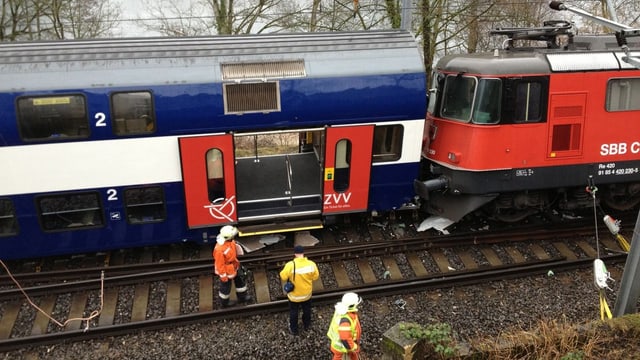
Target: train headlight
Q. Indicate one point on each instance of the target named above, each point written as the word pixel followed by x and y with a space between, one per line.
pixel 453 157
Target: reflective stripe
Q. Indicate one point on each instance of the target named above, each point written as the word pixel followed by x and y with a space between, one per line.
pixel 298 298
pixel 305 270
pixel 335 328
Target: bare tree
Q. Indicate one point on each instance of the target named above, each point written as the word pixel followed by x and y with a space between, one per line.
pixel 394 12
pixel 20 20
pixel 208 17
pixel 56 19
pixel 81 19
pixel 329 15
pixel 177 18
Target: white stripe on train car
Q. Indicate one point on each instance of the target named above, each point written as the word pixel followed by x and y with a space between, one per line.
pixel 89 164
pixel 122 162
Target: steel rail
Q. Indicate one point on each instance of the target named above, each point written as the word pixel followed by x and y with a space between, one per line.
pixel 459 278
pixel 122 275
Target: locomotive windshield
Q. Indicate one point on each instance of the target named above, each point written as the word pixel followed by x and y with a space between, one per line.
pixel 467 98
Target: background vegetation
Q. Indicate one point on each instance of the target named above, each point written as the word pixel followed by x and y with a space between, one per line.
pixel 441 26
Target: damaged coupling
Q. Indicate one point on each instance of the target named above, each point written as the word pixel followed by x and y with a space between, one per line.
pixel 422 188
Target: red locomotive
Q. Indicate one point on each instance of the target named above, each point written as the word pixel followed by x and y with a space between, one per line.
pixel 524 129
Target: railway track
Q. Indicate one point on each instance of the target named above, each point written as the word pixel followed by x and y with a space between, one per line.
pixel 121 298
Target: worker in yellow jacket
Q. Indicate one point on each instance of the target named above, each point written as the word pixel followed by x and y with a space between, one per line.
pixel 301 272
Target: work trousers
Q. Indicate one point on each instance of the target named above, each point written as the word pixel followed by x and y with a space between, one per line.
pixel 225 287
pixel 294 309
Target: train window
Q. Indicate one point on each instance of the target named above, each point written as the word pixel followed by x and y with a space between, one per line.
pixel 243 98
pixel 132 113
pixel 342 173
pixel 387 143
pixel 524 100
pixel 528 102
pixel 215 175
pixel 487 104
pixel 52 117
pixel 70 211
pixel 145 205
pixel 8 221
pixel 623 94
pixel 457 99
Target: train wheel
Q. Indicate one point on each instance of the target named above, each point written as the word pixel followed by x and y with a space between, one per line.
pixel 622 198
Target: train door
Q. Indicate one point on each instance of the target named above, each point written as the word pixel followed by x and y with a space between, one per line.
pixel 566 124
pixel 347 169
pixel 208 175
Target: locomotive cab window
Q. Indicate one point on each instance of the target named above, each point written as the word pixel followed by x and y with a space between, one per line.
pixel 52 117
pixel 70 211
pixel 8 222
pixel 486 109
pixel 387 143
pixel 132 113
pixel 457 99
pixel 145 205
pixel 623 94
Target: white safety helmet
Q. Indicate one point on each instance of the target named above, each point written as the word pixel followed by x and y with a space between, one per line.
pixel 228 232
pixel 220 240
pixel 351 300
pixel 341 309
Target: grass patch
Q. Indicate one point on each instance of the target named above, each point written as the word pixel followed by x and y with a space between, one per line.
pixel 553 339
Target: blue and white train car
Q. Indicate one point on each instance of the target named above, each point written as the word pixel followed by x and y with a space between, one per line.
pixel 109 144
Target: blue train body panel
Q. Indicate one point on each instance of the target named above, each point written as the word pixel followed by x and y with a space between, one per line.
pixel 197 107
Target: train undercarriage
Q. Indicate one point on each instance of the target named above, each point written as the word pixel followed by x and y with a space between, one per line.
pixel 516 206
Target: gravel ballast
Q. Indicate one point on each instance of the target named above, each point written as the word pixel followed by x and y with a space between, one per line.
pixel 479 311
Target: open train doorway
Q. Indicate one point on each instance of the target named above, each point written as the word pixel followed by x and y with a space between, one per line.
pixel 278 175
pixel 289 180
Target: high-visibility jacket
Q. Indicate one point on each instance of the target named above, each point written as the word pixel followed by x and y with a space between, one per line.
pixel 306 271
pixel 345 332
pixel 225 259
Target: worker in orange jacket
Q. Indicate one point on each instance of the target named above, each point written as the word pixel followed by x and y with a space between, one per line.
pixel 226 265
pixel 345 331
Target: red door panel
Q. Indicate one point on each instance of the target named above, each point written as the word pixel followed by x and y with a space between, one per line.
pixel 347 175
pixel 206 207
pixel 566 125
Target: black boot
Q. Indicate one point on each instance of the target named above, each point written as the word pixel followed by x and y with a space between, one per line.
pixel 243 297
pixel 227 303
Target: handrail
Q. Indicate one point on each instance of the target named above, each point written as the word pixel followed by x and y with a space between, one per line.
pixel 289 176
